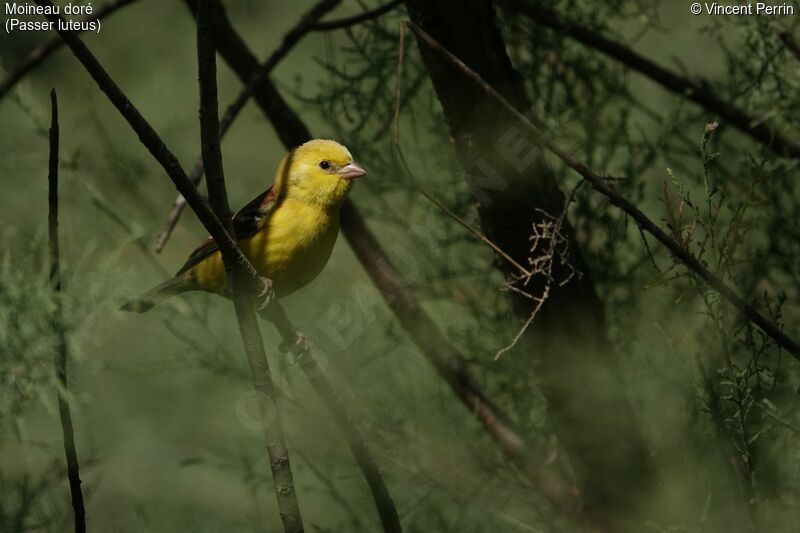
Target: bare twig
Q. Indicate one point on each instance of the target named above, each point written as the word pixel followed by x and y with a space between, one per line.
pixel 699 92
pixel 600 185
pixel 405 97
pixel 209 113
pixel 242 296
pixel 356 19
pixel 399 84
pixel 301 350
pixel 422 330
pixel 549 247
pixel 60 361
pixel 37 56
pixel 255 80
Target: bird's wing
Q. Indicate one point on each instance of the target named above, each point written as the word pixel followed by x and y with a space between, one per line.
pixel 246 222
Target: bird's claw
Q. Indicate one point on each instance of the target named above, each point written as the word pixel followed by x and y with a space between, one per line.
pixel 300 344
pixel 298 348
pixel 265 296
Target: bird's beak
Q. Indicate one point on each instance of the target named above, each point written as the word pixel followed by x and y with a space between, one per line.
pixel 351 171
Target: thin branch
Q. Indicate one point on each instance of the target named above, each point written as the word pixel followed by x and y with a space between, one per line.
pixel 38 55
pixel 600 185
pixel 423 331
pixel 256 79
pixel 699 92
pixel 366 16
pixel 242 296
pixel 398 84
pixel 211 153
pixel 549 230
pixel 355 440
pixel 60 361
pixel 405 97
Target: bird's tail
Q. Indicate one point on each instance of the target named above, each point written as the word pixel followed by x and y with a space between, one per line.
pixel 157 294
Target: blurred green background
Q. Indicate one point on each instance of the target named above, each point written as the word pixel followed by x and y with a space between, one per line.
pixel 163 413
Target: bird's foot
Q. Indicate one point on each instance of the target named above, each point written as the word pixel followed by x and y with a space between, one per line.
pixel 265 296
pixel 299 345
pixel 299 350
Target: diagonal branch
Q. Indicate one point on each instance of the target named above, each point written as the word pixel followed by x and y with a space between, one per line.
pixel 254 81
pixel 39 54
pixel 699 92
pixel 600 185
pixel 241 294
pixel 60 361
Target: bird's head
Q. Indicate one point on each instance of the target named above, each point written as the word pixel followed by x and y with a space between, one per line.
pixel 319 171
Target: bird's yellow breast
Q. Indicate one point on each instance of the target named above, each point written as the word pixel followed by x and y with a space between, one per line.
pixel 291 249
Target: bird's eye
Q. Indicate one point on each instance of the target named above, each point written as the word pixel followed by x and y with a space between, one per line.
pixel 324 165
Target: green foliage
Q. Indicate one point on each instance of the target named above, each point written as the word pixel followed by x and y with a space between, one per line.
pixel 28 331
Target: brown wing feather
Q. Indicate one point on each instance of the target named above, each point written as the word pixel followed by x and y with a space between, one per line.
pixel 246 222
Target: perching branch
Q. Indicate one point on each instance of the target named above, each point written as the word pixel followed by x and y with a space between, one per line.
pixel 301 350
pixel 699 92
pixel 600 185
pixel 241 294
pixel 348 22
pixel 37 56
pixel 420 327
pixel 255 80
pixel 60 361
